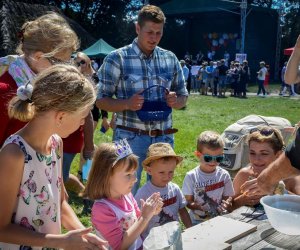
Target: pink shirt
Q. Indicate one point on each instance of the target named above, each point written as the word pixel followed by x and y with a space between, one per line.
pixel 107 223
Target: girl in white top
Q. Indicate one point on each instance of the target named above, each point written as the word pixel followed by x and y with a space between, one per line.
pixel 31 189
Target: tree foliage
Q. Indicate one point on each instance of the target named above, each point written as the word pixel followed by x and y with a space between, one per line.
pixel 113 20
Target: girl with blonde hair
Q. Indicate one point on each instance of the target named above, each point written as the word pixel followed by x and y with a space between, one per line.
pixel 45 41
pixel 31 185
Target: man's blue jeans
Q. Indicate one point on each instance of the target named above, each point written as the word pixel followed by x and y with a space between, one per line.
pixel 139 145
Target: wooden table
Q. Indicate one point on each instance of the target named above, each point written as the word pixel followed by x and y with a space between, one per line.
pixel 264 236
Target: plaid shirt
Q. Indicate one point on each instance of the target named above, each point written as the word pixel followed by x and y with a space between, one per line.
pixel 127 71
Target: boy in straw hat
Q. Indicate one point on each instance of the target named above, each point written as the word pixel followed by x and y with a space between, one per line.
pixel 160 163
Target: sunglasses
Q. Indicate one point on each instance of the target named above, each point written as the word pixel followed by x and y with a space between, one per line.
pixel 263 131
pixel 54 61
pixel 210 158
pixel 82 62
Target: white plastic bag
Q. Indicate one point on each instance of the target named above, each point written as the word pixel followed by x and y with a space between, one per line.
pixel 165 237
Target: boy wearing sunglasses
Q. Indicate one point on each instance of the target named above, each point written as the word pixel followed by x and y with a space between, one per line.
pixel 208 188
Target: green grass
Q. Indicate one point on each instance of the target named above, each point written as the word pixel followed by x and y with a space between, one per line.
pixel 206 113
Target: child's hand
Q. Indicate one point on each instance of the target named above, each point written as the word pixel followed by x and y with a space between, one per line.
pixel 159 206
pixel 151 206
pixel 82 239
pixel 225 206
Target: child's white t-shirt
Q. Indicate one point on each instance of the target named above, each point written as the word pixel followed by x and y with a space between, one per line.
pixel 208 190
pixel 173 201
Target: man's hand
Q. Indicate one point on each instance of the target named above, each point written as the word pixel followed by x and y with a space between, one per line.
pixel 135 102
pixel 105 123
pixel 171 98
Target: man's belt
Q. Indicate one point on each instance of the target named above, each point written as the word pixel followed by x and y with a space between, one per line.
pixel 151 133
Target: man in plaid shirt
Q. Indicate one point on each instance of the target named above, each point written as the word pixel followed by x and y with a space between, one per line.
pixel 126 72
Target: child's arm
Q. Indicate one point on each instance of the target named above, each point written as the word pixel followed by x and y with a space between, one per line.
pixel 185 217
pixel 149 208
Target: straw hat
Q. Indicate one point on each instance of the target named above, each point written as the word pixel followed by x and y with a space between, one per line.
pixel 160 150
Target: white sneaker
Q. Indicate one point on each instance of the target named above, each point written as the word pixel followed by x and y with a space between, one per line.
pixel 294 94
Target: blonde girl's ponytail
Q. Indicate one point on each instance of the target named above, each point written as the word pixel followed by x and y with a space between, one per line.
pixel 20 107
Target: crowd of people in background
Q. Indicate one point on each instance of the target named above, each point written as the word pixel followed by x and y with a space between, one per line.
pixel 206 75
pixel 216 77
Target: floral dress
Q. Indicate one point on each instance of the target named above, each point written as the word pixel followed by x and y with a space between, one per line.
pixel 38 202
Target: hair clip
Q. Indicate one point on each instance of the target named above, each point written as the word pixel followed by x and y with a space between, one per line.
pixel 123 149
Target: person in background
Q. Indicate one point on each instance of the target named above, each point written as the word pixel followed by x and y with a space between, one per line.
pixel 95 65
pixel 208 188
pixel 185 70
pixel 230 80
pixel 83 62
pixel 204 85
pixel 226 58
pixel 81 140
pixel 283 84
pixel 128 71
pixel 222 69
pixel 33 193
pixel 235 75
pixel 267 80
pixel 261 76
pixel 188 64
pixel 45 41
pixel 160 164
pixel 209 70
pixel 115 213
pixel 244 78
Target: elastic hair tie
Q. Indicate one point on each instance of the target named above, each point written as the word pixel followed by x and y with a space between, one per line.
pixel 25 92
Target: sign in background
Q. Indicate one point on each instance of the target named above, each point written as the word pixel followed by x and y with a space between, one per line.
pixel 240 57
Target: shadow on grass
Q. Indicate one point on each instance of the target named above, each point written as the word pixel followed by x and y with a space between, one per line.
pixel 81 210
